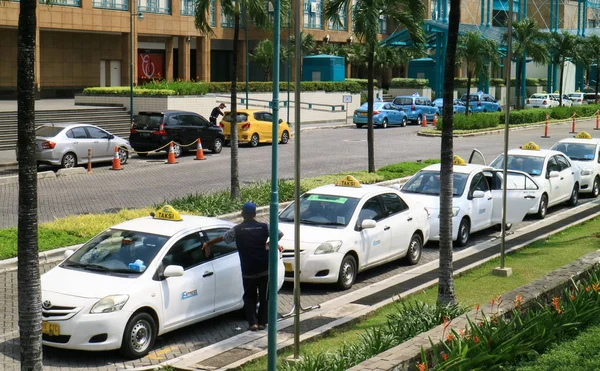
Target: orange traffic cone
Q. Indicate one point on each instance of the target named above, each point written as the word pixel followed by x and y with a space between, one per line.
pixel 424 122
pixel 171 157
pixel 435 120
pixel 199 151
pixel 116 165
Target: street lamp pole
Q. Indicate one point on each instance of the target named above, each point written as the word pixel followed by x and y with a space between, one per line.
pixel 247 62
pixel 140 16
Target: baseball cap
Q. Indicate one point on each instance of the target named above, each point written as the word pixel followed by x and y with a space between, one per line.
pixel 249 208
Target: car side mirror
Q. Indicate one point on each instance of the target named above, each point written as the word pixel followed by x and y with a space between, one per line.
pixel 553 174
pixel 478 194
pixel 111 137
pixel 280 121
pixel 173 271
pixel 368 223
pixel 67 254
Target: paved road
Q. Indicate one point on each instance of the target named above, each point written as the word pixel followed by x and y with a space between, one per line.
pixel 144 182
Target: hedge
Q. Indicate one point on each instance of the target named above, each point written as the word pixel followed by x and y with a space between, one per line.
pixel 363 82
pixel 497 82
pixel 461 82
pixel 124 90
pixel 181 87
pixel 474 121
pixel 264 87
pixel 409 83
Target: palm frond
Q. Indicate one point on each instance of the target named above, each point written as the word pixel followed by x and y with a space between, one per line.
pixel 202 21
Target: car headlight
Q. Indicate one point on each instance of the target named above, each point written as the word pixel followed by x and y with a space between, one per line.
pixel 585 172
pixel 455 210
pixel 111 303
pixel 328 247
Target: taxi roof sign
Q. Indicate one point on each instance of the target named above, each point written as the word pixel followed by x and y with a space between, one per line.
pixel 457 160
pixel 167 212
pixel 583 135
pixel 348 181
pixel 531 146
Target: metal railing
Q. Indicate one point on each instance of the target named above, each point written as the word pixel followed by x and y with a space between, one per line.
pixel 111 4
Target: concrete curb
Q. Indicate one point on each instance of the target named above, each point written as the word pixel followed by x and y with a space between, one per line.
pixel 45 257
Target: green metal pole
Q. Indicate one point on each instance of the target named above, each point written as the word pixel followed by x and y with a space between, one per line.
pixel 274 209
pixel 289 70
pixel 131 62
pixel 247 62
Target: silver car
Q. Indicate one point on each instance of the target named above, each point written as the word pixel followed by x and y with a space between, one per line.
pixel 66 144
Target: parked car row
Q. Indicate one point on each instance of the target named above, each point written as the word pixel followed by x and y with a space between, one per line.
pixel 549 100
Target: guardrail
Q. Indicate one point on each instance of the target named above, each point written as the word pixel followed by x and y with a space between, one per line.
pixel 285 103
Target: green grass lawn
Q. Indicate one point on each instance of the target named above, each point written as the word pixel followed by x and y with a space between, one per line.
pixel 477 286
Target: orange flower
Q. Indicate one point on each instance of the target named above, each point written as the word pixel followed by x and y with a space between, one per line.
pixel 518 300
pixel 477 307
pixel 556 304
pixel 587 289
pixel 461 332
pixel 476 339
pixel 450 337
pixel 421 366
pixel 444 356
pixel 572 297
pixel 596 286
pixel 492 302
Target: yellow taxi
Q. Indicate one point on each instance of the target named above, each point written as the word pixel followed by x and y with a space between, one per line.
pixel 254 127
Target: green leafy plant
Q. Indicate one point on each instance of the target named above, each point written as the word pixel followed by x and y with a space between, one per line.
pixel 474 122
pixel 409 83
pixel 124 90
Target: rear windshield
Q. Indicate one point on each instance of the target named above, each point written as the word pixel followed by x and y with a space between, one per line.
pixel 402 101
pixel 48 131
pixel 241 117
pixel 539 96
pixel 148 121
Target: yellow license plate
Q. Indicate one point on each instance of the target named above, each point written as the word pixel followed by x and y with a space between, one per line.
pixel 363 114
pixel 288 267
pixel 52 329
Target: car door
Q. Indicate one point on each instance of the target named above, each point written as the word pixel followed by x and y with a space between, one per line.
pixel 567 176
pixel 554 184
pixel 185 131
pixel 402 223
pixel 80 143
pixel 228 272
pixel 103 148
pixel 481 207
pixel 192 296
pixel 375 242
pixel 266 126
pixel 477 157
pixel 200 129
pixel 522 194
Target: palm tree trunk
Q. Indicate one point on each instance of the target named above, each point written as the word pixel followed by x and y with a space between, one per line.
pixel 29 286
pixel 597 80
pixel 446 293
pixel 560 87
pixel 518 84
pixel 468 92
pixel 235 180
pixel 370 133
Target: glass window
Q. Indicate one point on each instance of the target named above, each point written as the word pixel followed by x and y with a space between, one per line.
pixel 148 121
pixel 403 101
pixel 267 117
pixel 221 248
pixel 187 252
pixel 527 164
pixel 172 120
pixel 372 209
pixel 479 183
pixel 48 131
pixel 341 25
pixel 241 117
pixel 553 165
pixel 577 151
pixel 322 210
pixel 96 133
pixel 562 162
pixel 78 133
pixel 313 14
pixel 428 182
pixel 383 24
pixel 393 203
pixel 197 121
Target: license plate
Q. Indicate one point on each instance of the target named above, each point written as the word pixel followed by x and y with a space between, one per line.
pixel 288 267
pixel 144 135
pixel 363 113
pixel 52 329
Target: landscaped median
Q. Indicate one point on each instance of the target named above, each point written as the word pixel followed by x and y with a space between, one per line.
pixel 482 123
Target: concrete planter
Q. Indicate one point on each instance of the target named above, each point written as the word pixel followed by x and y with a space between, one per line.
pixel 424 92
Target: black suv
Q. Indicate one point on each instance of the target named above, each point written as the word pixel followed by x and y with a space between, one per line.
pixel 152 130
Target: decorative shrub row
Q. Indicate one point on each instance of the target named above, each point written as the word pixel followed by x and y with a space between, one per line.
pixel 124 90
pixel 474 121
pixel 264 87
pixel 363 82
pixel 409 83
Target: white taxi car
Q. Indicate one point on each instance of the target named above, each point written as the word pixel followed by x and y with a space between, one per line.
pixel 584 151
pixel 552 170
pixel 140 279
pixel 349 227
pixel 477 197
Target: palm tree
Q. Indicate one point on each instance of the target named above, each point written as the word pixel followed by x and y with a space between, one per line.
pixel 446 293
pixel 256 11
pixel 29 285
pixel 530 41
pixel 307 44
pixel 388 58
pixel 365 15
pixel 263 55
pixel 478 53
pixel 591 47
pixel 354 54
pixel 562 46
pixel 331 49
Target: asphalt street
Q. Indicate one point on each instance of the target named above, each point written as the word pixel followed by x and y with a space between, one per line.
pixel 145 182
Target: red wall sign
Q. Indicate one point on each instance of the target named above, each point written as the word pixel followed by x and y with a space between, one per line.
pixel 151 65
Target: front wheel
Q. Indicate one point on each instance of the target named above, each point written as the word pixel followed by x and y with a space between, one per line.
pixel 384 123
pixel 123 156
pixel 419 120
pixel 464 232
pixel 347 274
pixel 254 140
pixel 285 137
pixel 217 145
pixel 404 121
pixel 596 187
pixel 574 196
pixel 414 250
pixel 543 208
pixel 139 336
pixel 358 126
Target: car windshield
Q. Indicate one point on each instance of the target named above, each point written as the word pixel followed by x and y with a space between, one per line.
pixel 48 131
pixel 527 164
pixel 577 151
pixel 403 101
pixel 241 117
pixel 428 183
pixel 117 251
pixel 376 106
pixel 324 210
pixel 472 97
pixel 575 95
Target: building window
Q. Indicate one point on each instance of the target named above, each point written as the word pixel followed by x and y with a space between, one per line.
pixel 111 4
pixel 229 21
pixel 343 14
pixel 313 14
pixel 61 2
pixel 383 24
pixel 592 23
pixel 155 6
pixel 187 7
pixel 213 16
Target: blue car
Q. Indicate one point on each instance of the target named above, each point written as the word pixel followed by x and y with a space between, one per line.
pixel 481 102
pixel 417 107
pixel 459 107
pixel 384 114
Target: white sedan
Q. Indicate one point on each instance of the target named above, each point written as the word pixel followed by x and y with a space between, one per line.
pixel 541 100
pixel 477 197
pixel 138 280
pixel 585 153
pixel 347 228
pixel 557 177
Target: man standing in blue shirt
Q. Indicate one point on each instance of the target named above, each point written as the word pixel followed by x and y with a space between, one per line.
pixel 251 238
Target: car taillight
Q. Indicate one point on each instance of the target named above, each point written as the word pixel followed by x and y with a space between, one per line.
pixel 48 145
pixel 528 101
pixel 479 104
pixel 376 112
pixel 545 102
pixel 161 130
pixel 132 130
pixel 222 125
pixel 356 112
pixel 246 126
pixel 412 108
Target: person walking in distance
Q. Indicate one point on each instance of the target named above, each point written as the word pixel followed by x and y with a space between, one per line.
pixel 251 238
pixel 216 112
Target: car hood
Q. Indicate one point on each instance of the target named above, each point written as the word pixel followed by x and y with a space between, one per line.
pixel 85 284
pixel 310 236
